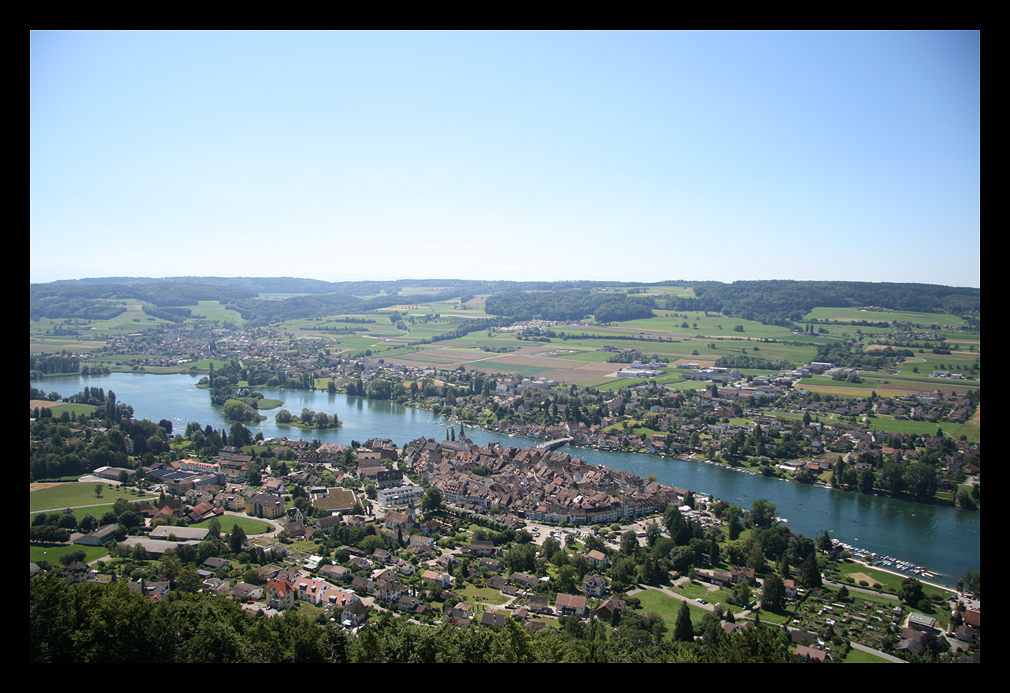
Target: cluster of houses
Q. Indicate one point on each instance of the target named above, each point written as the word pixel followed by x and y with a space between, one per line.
pixel 534 483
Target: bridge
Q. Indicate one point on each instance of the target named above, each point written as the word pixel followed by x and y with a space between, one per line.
pixel 554 444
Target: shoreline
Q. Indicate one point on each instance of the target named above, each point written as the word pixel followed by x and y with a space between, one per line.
pixel 859 555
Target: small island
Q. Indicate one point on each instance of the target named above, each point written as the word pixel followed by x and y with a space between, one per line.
pixel 308 420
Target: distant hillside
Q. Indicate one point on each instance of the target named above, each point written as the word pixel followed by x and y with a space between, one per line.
pixel 779 302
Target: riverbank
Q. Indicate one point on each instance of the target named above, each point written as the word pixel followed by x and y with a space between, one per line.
pixel 945 539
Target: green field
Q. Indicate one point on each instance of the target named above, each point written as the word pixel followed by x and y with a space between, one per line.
pixel 971 432
pixel 588 356
pixel 80 513
pixel 249 525
pixel 886 423
pixel 213 310
pixel 37 554
pixel 473 594
pixel 859 657
pixel 890 581
pixel 942 319
pixel 78 409
pixel 669 607
pixel 67 495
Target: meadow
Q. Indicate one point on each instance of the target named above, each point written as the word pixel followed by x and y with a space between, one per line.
pixel 75 494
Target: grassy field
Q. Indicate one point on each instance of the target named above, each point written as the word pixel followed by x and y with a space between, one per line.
pixel 859 657
pixel 213 310
pixel 249 525
pixel 58 409
pixel 37 554
pixel 591 356
pixel 483 595
pixel 668 607
pixel 80 513
pixel 67 495
pixel 889 581
pixel 884 423
pixel 849 314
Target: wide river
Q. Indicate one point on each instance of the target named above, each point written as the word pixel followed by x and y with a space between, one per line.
pixel 944 540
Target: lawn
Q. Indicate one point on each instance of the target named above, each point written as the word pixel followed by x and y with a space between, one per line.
pixel 859 657
pixel 68 495
pixel 483 595
pixel 78 409
pixel 669 607
pixel 891 425
pixel 694 590
pixel 80 513
pixel 249 525
pixel 890 581
pixel 37 554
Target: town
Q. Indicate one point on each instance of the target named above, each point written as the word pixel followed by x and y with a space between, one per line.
pixel 525 542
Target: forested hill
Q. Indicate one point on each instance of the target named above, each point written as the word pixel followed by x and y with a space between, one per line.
pixel 774 301
pixel 84 301
pixel 570 305
pixel 783 300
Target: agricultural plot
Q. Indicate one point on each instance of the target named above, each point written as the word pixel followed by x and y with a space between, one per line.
pixel 133 320
pixel 864 620
pixel 213 310
pixel 440 356
pixel 856 314
pixel 589 356
pixel 891 425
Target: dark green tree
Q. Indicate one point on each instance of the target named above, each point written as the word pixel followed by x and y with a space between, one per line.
pixel 684 630
pixel 236 539
pixel 773 593
pixel 811 574
pixel 911 592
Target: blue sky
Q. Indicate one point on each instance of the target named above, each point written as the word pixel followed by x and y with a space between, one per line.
pixel 624 156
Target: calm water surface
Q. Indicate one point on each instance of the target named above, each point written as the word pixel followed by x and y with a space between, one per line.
pixel 945 540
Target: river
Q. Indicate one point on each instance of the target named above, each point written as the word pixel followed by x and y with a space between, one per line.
pixel 944 540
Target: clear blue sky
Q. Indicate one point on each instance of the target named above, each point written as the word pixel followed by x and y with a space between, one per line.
pixel 626 156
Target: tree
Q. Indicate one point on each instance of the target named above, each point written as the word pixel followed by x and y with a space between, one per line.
pixel 432 501
pixel 762 513
pixel 911 592
pixel 236 539
pixel 773 593
pixel 684 630
pixel 866 480
pixel 735 527
pixel 98 490
pixel 920 478
pixel 811 574
pixel 629 543
pixel 652 533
